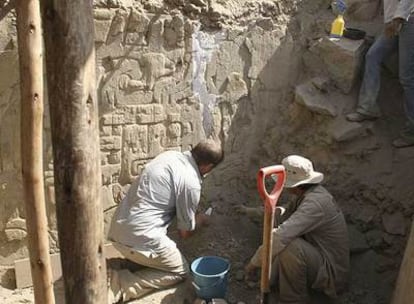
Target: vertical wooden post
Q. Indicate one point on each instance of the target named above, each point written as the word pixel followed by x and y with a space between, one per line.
pixel 70 61
pixel 404 291
pixel 31 85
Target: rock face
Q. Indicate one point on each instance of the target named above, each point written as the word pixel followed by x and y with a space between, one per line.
pixel 363 10
pixel 260 76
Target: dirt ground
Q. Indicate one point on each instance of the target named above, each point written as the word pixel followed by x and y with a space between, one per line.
pixel 230 235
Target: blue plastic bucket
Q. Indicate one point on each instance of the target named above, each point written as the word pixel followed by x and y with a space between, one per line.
pixel 210 277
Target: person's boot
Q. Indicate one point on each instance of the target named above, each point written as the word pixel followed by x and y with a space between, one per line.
pixel 114 287
pixel 358 117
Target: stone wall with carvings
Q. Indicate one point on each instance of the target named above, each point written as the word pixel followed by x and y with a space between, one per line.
pixel 165 81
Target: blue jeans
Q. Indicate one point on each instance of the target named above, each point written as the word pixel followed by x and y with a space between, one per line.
pixel 381 49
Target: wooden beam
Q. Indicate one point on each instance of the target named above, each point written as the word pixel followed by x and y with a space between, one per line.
pixel 70 61
pixel 404 291
pixel 31 88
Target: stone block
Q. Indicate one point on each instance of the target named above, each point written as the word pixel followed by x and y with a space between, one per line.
pixel 105 131
pixel 314 100
pixel 394 223
pixel 107 199
pixel 137 28
pixel 174 134
pixel 136 167
pixel 103 158
pixel 110 143
pixel 157 137
pixel 342 59
pixel 117 130
pixel 113 119
pixel 173 117
pixel 114 158
pixel 152 113
pixel 102 14
pixel 9 64
pixel 136 141
pixel 110 174
pixel 177 97
pixel 321 83
pixel 16 229
pixel 236 88
pixel 101 30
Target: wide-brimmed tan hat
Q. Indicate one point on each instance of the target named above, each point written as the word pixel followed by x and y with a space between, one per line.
pixel 299 171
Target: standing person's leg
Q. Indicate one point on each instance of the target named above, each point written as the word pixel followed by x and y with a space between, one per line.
pixel 162 270
pixel 406 53
pixel 294 271
pixel 367 102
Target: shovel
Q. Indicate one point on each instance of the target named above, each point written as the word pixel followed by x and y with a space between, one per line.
pixel 270 200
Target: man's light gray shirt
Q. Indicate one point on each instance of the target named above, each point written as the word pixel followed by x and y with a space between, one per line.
pixel 169 186
pixel 398 9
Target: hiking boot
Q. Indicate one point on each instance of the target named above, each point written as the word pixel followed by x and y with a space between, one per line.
pixel 358 117
pixel 114 288
pixel 406 138
pixel 403 142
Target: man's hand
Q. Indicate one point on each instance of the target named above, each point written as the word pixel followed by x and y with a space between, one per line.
pixel 251 272
pixel 202 219
pixel 393 28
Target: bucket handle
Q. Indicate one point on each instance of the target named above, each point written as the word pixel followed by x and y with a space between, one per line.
pixel 213 285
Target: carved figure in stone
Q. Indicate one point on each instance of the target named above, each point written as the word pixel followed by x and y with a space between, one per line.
pixel 155 38
pixel 137 28
pixel 136 167
pixel 128 84
pixel 174 134
pixel 174 32
pixel 118 23
pixel 157 139
pixel 187 128
pixel 123 85
pixel 155 66
pixel 135 138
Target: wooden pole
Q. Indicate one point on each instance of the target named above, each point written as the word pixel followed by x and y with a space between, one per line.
pixel 404 291
pixel 31 87
pixel 70 61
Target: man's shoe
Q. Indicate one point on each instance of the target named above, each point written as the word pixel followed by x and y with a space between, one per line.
pixel 403 142
pixel 115 295
pixel 358 117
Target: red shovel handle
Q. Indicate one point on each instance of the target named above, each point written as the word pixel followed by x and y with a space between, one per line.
pixel 270 200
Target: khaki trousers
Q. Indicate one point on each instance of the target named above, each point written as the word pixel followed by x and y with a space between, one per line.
pixel 161 270
pixel 294 270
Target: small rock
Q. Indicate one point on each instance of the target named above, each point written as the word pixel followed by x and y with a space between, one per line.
pixel 240 275
pixel 394 223
pixel 321 83
pixel 218 301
